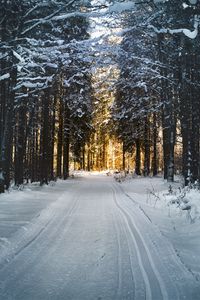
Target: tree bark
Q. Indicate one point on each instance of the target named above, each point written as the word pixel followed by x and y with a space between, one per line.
pixel 60 140
pixel 20 144
pixel 66 142
pixel 138 157
pixel 154 160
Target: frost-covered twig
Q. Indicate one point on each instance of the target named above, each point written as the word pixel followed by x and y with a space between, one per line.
pixel 154 194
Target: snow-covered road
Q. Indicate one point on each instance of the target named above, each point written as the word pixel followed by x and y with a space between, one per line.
pixel 93 242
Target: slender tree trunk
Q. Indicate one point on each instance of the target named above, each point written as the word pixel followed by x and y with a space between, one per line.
pixel 20 144
pixel 154 160
pixel 66 142
pixel 53 119
pixel 123 157
pixel 89 158
pixel 45 139
pixel 3 96
pixel 60 140
pixel 138 157
pixel 146 148
pixel 195 120
pixel 168 113
pixel 83 157
pixel 7 142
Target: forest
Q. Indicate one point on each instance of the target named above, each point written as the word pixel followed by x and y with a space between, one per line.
pixel 98 85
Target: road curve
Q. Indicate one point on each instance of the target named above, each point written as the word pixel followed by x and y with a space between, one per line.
pixel 92 243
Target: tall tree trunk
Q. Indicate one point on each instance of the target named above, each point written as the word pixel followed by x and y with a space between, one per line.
pixel 60 140
pixel 138 157
pixel 83 157
pixel 7 140
pixel 66 142
pixel 3 96
pixel 45 139
pixel 195 126
pixel 89 157
pixel 20 144
pixel 146 148
pixel 154 159
pixel 53 119
pixel 123 157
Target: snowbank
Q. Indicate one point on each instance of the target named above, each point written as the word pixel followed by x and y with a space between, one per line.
pixel 175 211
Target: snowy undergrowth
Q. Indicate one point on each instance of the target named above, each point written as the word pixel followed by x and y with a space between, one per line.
pixel 176 212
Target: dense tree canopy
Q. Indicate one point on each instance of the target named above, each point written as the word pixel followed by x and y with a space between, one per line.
pixel 50 53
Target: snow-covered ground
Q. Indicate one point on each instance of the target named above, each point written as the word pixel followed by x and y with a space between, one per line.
pixel 175 211
pixel 93 238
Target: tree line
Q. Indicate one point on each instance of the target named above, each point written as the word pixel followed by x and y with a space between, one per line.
pixel 47 101
pixel 45 89
pixel 158 88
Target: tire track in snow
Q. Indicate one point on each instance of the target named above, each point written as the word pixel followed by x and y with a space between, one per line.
pixel 143 259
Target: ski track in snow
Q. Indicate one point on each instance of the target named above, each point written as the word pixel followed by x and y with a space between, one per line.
pixel 172 270
pixel 119 256
pixel 93 243
pixel 26 236
pixel 139 244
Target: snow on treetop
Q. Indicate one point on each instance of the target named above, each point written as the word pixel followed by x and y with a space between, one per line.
pixel 119 7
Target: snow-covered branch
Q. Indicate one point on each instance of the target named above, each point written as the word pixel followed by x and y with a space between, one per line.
pixel 192 34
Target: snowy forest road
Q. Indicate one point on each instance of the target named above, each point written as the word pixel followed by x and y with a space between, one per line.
pixel 93 242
